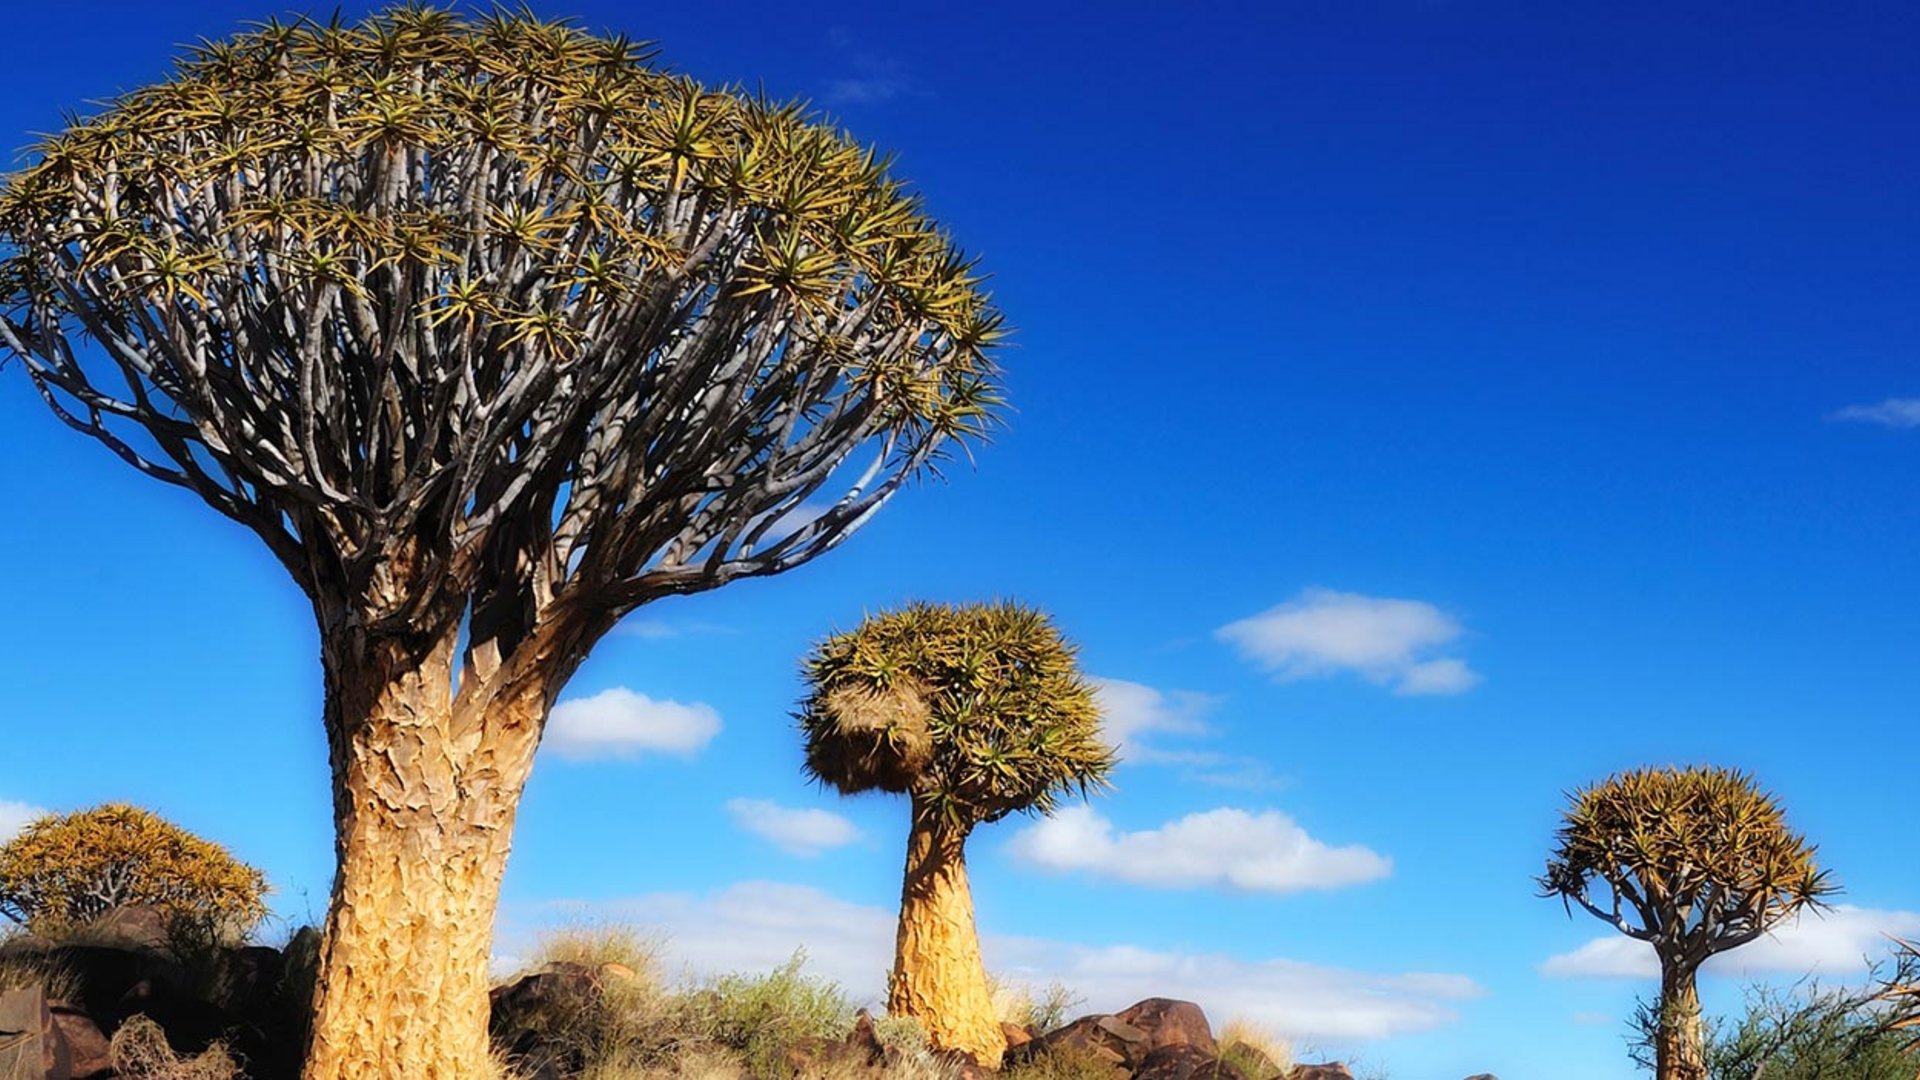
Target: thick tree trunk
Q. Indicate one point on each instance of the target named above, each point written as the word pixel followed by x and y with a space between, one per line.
pixel 1680 1052
pixel 424 801
pixel 938 977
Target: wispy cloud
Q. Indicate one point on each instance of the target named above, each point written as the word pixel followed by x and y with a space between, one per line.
pixel 873 80
pixel 620 723
pixel 1390 642
pixel 1137 718
pixel 663 629
pixel 1893 413
pixel 15 816
pixel 1225 848
pixel 756 925
pixel 802 831
pixel 1842 941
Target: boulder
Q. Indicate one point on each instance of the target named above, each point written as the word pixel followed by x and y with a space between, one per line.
pixel 1017 1035
pixel 30 1045
pixel 531 1016
pixel 87 1045
pixel 1105 1038
pixel 1168 1022
pixel 1179 1061
pixel 1331 1070
pixel 134 926
pixel 860 1054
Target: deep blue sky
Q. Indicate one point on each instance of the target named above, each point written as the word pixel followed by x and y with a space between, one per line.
pixel 1536 317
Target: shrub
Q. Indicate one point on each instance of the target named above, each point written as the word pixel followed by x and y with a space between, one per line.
pixel 629 1025
pixel 64 871
pixel 139 1051
pixel 1064 1062
pixel 1258 1053
pixel 763 1016
pixel 1039 1009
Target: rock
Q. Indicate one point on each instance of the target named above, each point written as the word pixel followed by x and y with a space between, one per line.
pixel 136 926
pixel 243 980
pixel 1107 1038
pixel 1332 1070
pixel 1168 1022
pixel 1016 1035
pixel 30 1045
pixel 530 1017
pixel 87 1045
pixel 115 982
pixel 1183 1062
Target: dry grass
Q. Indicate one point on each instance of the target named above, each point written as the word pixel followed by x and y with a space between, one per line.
pixel 1256 1051
pixel 139 1051
pixel 1040 1009
pixel 23 971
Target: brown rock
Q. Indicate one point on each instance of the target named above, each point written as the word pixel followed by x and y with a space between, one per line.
pixel 86 1044
pixel 137 926
pixel 1107 1038
pixel 30 1046
pixel 1168 1022
pixel 1016 1035
pixel 1181 1062
pixel 1332 1070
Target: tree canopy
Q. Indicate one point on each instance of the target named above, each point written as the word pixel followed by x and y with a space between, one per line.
pixel 67 870
pixel 490 311
pixel 978 710
pixel 1692 860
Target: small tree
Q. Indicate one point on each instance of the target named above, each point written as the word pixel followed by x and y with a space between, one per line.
pixel 66 870
pixel 973 712
pixel 1692 861
pixel 491 332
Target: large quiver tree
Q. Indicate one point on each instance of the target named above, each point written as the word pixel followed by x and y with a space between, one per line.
pixel 492 333
pixel 973 712
pixel 1692 861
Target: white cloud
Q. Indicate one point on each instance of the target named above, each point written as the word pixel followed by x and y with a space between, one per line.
pixel 1322 632
pixel 1130 711
pixel 754 926
pixel 1893 413
pixel 794 830
pixel 621 723
pixel 1841 941
pixel 1224 848
pixel 15 816
pixel 662 629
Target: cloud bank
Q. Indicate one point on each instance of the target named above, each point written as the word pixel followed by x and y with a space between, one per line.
pixel 798 831
pixel 1224 849
pixel 1389 642
pixel 620 723
pixel 754 926
pixel 15 816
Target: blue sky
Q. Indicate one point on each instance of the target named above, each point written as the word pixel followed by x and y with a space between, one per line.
pixel 1421 408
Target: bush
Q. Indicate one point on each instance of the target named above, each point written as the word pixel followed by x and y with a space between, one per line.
pixel 64 871
pixel 1064 1062
pixel 139 1051
pixel 763 1016
pixel 1039 1009
pixel 1259 1054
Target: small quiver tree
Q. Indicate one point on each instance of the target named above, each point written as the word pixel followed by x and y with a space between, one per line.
pixel 1692 861
pixel 1902 997
pixel 491 332
pixel 64 871
pixel 973 712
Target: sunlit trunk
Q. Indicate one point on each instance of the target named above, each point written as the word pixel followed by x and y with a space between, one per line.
pixel 938 977
pixel 1680 1052
pixel 424 802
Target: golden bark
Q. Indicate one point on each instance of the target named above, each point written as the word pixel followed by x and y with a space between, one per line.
pixel 938 977
pixel 424 800
pixel 1680 1051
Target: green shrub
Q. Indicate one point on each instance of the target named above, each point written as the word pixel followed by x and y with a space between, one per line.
pixel 1065 1063
pixel 1039 1009
pixel 1258 1053
pixel 763 1016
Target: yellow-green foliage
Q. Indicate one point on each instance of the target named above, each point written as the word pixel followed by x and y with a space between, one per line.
pixel 977 710
pixel 63 871
pixel 762 1016
pixel 1065 1062
pixel 1695 860
pixel 1039 1009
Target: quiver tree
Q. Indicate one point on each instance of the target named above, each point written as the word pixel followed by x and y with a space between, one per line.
pixel 65 870
pixel 492 333
pixel 973 712
pixel 1693 862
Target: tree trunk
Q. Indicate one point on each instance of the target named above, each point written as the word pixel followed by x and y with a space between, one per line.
pixel 938 978
pixel 1680 1053
pixel 424 801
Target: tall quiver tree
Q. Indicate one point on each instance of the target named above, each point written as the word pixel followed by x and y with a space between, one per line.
pixel 492 333
pixel 1692 861
pixel 973 712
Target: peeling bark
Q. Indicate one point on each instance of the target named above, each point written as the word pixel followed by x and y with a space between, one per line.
pixel 938 977
pixel 1680 1053
pixel 424 798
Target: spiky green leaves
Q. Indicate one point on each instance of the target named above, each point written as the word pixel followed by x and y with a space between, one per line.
pixel 978 710
pixel 1693 860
